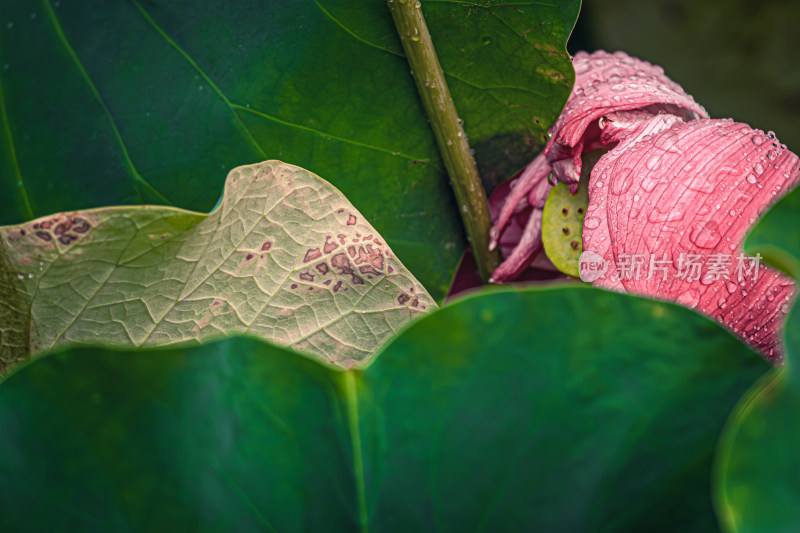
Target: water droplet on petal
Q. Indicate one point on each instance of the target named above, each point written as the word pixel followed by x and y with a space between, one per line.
pixel 591 222
pixel 705 236
pixel 654 162
pixel 751 178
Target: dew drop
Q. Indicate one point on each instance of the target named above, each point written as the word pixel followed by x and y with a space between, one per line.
pixel 654 162
pixel 751 178
pixel 706 236
pixel 591 222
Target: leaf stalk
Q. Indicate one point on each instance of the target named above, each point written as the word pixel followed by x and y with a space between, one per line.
pixel 447 129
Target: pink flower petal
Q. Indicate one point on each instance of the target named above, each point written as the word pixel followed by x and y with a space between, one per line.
pixel 605 84
pixel 532 184
pixel 693 188
pixel 529 245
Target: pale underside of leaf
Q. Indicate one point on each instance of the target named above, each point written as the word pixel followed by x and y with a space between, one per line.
pixel 285 258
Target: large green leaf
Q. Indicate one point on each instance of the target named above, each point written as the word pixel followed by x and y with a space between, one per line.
pixel 758 466
pixel 561 409
pixel 285 257
pixel 153 101
pixel 776 236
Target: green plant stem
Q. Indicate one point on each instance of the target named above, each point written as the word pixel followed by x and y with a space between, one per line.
pixel 447 129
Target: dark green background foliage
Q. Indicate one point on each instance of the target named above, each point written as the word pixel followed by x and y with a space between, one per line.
pixel 469 420
pixel 736 57
pixel 142 101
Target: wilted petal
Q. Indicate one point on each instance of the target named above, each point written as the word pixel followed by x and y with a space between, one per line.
pixel 606 84
pixel 693 188
pixel 531 185
pixel 529 245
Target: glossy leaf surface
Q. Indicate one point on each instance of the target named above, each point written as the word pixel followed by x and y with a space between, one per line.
pixel 108 103
pixel 469 420
pixel 757 484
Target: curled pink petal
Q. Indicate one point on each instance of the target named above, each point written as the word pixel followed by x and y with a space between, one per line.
pixel 670 196
pixel 533 179
pixel 529 245
pixel 605 84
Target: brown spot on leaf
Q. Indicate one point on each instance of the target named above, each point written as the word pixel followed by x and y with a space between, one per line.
pixel 565 230
pixel 307 276
pixel 351 250
pixel 342 238
pixel 248 257
pixel 323 268
pixel 340 261
pixel 337 286
pixel 415 302
pixel 574 245
pixel 351 221
pixel 362 255
pixel 375 257
pixel 329 246
pixel 37 226
pixel 377 241
pixel 47 224
pixel 80 225
pixel 327 282
pixel 389 270
pixel 367 269
pixel 311 254
pixel 62 228
pixel 266 246
pixel 46 237
pixel 293 286
pixel 403 299
pixel 22 232
pixel 67 238
pixel 215 303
